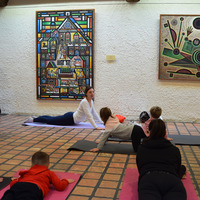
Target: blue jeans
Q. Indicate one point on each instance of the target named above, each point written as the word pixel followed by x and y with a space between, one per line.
pixel 66 119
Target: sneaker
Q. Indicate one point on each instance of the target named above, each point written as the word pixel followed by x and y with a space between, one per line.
pixel 29 120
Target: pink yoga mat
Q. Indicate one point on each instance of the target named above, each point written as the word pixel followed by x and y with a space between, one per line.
pixel 129 187
pixel 54 194
pixel 80 125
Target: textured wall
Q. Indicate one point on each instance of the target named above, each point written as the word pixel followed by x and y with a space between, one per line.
pixel 129 85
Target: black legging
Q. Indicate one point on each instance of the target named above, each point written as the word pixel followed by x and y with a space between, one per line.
pixel 137 135
pixel 23 191
pixel 161 186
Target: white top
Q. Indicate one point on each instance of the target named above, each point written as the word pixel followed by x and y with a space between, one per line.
pixel 84 112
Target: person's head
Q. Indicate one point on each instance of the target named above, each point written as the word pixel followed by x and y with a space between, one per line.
pixel 155 112
pixel 144 116
pixel 89 92
pixel 105 113
pixel 40 158
pixel 157 129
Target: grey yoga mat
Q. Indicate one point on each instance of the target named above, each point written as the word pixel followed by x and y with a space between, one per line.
pixel 85 145
pixel 177 139
pixel 185 139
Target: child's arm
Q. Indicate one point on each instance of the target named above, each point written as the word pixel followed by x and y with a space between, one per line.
pixel 57 183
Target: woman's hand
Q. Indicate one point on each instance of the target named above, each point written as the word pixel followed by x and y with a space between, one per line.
pixel 94 149
pixel 99 128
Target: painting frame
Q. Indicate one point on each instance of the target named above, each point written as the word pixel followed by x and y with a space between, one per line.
pixel 64 53
pixel 179 47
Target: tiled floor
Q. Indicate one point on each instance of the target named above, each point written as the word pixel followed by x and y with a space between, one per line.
pixel 102 174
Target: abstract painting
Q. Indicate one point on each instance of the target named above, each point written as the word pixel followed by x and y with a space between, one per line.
pixel 65 57
pixel 179 55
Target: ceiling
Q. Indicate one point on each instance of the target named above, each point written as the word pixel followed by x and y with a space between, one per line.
pixel 26 2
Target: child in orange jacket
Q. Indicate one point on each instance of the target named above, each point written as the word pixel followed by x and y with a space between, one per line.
pixel 35 183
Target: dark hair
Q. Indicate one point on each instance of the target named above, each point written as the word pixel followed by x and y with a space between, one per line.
pixel 87 89
pixel 105 113
pixel 40 158
pixel 144 116
pixel 156 112
pixel 157 129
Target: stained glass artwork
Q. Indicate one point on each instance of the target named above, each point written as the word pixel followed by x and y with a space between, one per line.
pixel 65 57
pixel 179 47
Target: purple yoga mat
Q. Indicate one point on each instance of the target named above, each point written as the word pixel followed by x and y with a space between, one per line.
pixel 130 187
pixel 80 125
pixel 54 194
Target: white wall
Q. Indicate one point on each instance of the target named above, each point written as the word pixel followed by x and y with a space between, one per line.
pixel 129 85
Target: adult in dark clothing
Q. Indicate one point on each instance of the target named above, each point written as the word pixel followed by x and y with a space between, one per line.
pixel 159 166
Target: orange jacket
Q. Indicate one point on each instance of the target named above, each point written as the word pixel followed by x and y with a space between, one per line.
pixel 42 177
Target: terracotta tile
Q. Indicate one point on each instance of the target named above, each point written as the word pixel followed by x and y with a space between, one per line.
pixel 109 184
pixel 79 167
pixel 72 157
pixel 102 159
pixel 83 190
pixel 74 197
pixel 2 160
pixel 131 166
pixel 85 157
pixel 96 169
pixel 114 170
pixel 67 161
pixel 6 167
pixel 105 192
pixel 13 161
pixel 2 172
pixel 92 175
pixel 61 166
pixel 117 165
pixel 83 162
pixel 119 160
pixel 101 198
pixel 111 177
pixel 88 182
pixel 99 164
pixel 7 156
pixel 21 157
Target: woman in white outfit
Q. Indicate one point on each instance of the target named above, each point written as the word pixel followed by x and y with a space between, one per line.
pixel 85 111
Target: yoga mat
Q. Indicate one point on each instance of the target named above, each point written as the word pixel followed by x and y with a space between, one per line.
pixel 80 125
pixel 54 194
pixel 85 145
pixel 118 140
pixel 6 181
pixel 185 139
pixel 177 139
pixel 130 187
